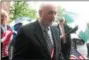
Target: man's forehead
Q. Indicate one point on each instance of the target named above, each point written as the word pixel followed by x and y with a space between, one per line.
pixel 48 7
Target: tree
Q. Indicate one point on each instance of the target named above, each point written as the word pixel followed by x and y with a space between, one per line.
pixel 67 15
pixel 21 8
pixel 60 12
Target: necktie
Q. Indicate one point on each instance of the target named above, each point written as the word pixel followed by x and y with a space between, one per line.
pixel 49 43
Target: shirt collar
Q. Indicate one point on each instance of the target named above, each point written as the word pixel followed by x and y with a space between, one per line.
pixel 42 26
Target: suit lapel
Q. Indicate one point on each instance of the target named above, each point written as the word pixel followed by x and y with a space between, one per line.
pixel 40 37
pixel 59 29
pixel 54 39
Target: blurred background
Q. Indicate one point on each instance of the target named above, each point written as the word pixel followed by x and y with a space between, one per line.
pixel 74 12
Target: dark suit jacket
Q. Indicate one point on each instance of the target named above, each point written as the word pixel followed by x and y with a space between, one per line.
pixel 30 44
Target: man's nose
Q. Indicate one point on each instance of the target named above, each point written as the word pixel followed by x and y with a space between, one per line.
pixel 53 16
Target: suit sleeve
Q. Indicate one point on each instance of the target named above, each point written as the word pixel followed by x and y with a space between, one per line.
pixel 20 46
pixel 71 30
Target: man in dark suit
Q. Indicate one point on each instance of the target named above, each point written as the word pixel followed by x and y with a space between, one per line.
pixel 65 31
pixel 32 40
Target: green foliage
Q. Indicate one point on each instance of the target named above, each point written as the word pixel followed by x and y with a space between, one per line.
pixel 83 36
pixel 21 8
pixel 60 12
pixel 68 18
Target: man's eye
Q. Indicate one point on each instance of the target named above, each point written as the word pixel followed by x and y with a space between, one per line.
pixel 51 12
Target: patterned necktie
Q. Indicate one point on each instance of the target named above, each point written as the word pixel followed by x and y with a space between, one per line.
pixel 50 46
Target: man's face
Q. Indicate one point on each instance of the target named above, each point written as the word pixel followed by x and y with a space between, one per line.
pixel 48 14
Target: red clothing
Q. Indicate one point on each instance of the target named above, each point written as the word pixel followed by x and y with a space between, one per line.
pixel 5 40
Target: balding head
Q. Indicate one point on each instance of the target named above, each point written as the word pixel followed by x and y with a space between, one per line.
pixel 47 13
pixel 45 6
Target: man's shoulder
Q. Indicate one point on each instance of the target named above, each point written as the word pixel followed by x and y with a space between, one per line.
pixel 29 27
pixel 55 27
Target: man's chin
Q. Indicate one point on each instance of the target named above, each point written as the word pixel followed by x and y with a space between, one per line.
pixel 49 23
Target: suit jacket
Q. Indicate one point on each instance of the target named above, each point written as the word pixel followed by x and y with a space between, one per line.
pixel 30 44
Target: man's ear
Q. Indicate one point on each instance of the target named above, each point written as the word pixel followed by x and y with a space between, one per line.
pixel 40 13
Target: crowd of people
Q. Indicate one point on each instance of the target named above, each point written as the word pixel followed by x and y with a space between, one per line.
pixel 37 40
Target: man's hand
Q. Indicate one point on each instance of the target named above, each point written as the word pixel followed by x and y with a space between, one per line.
pixel 62 36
